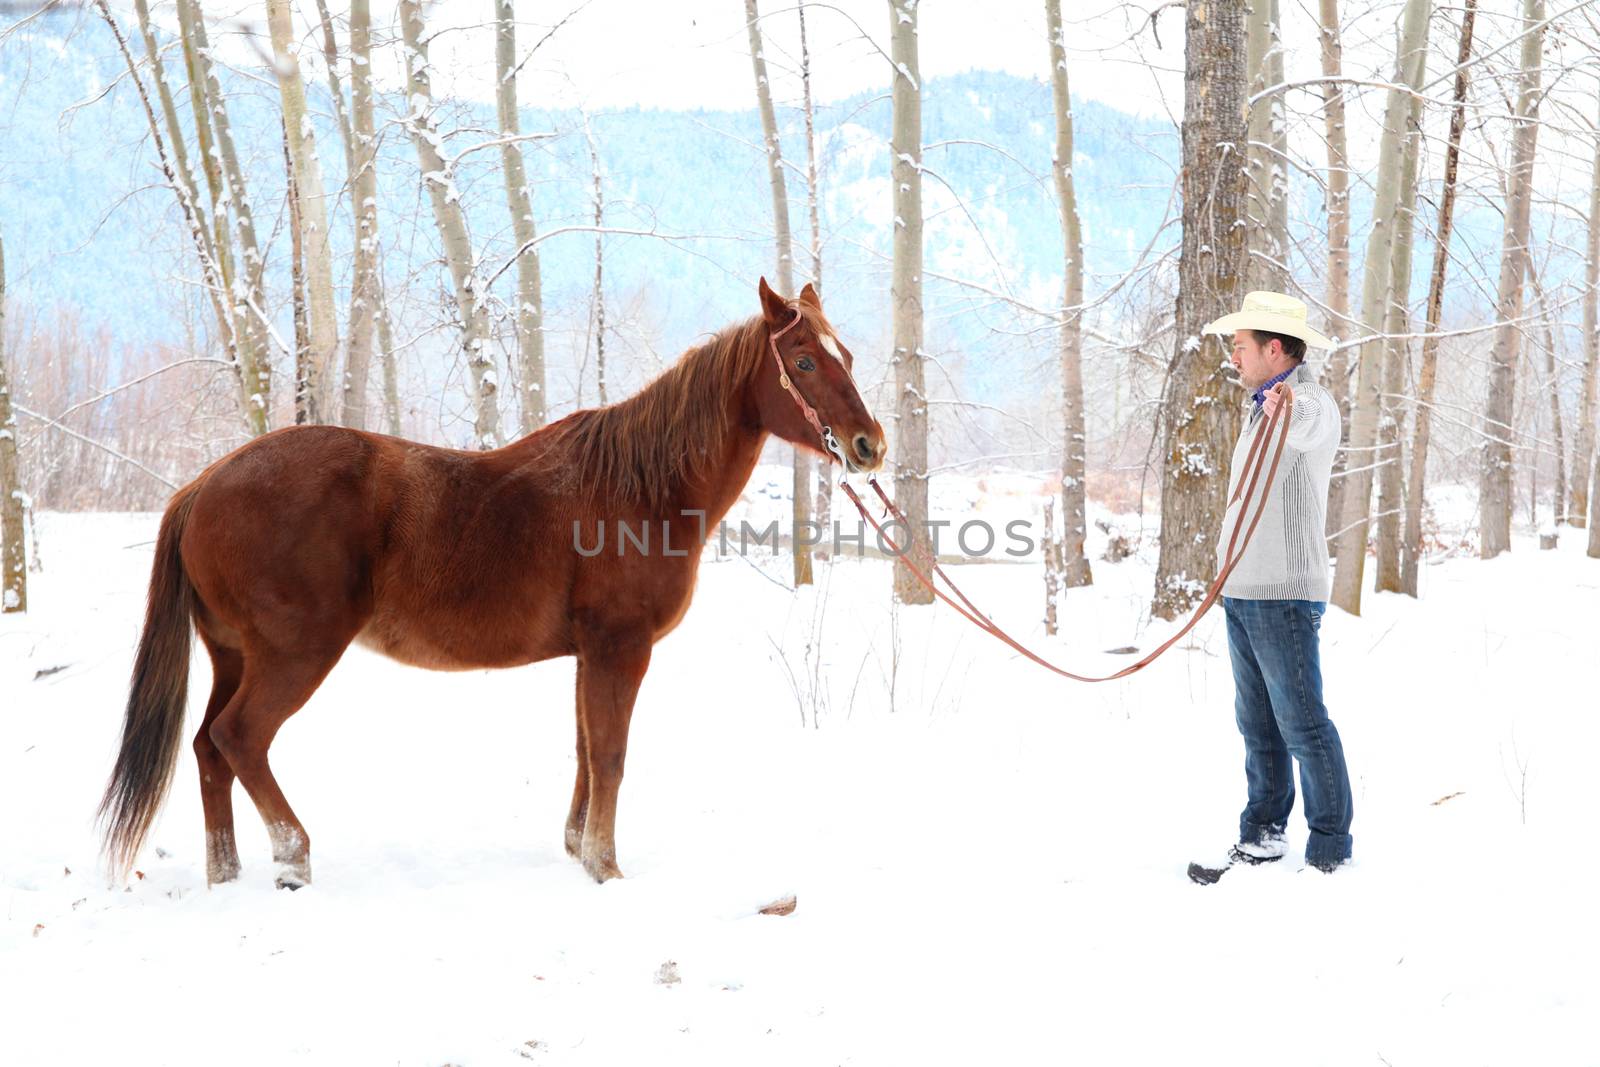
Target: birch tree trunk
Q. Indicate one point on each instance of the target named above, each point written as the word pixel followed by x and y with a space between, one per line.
pixel 194 218
pixel 248 292
pixel 800 461
pixel 519 199
pixel 330 57
pixel 1585 430
pixel 1336 372
pixel 305 406
pixel 1552 385
pixel 1074 569
pixel 362 179
pixel 211 167
pixel 210 242
pixel 1495 492
pixel 364 291
pixel 1200 406
pixel 1390 473
pixel 1049 549
pixel 452 224
pixel 391 372
pixel 597 300
pixel 812 197
pixel 1351 544
pixel 13 552
pixel 822 506
pixel 769 130
pixel 315 244
pixel 1269 184
pixel 175 138
pixel 1411 541
pixel 1594 511
pixel 905 296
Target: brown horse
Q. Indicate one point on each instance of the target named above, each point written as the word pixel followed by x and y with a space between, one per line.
pixel 306 539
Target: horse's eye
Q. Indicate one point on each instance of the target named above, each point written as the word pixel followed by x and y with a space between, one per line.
pixel 804 363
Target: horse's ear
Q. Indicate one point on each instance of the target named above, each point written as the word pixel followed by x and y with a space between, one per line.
pixel 774 307
pixel 808 295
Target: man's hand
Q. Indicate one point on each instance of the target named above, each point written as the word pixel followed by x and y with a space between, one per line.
pixel 1273 397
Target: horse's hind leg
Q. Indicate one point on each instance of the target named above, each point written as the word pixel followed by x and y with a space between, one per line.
pixel 612 669
pixel 216 774
pixel 274 687
pixel 579 811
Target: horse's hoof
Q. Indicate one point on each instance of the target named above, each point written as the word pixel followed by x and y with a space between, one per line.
pixel 602 870
pixel 292 878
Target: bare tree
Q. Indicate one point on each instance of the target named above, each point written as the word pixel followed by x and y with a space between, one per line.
pixel 597 300
pixel 211 167
pixel 391 372
pixel 183 187
pixel 248 293
pixel 365 293
pixel 905 294
pixel 1199 408
pixel 312 200
pixel 1422 426
pixel 822 507
pixel 361 175
pixel 13 553
pixel 530 296
pixel 1075 569
pixel 175 134
pixel 1351 554
pixel 1585 433
pixel 1396 324
pixel 1336 373
pixel 1495 493
pixel 451 221
pixel 812 188
pixel 1050 549
pixel 800 461
pixel 1594 511
pixel 1268 152
pixel 1553 388
pixel 305 405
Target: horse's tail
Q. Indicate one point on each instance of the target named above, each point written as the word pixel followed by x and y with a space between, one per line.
pixel 153 723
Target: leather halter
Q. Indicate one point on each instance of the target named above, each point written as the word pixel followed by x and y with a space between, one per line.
pixel 830 443
pixel 1254 462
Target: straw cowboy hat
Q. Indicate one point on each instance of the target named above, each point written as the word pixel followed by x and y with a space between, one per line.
pixel 1271 313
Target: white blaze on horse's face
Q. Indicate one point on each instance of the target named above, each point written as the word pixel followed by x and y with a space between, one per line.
pixel 831 346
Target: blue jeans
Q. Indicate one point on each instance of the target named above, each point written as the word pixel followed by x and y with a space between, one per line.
pixel 1278 676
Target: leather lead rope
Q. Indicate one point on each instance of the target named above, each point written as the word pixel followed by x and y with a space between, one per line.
pixel 1255 461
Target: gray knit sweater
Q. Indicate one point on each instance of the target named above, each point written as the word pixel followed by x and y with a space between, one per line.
pixel 1288 556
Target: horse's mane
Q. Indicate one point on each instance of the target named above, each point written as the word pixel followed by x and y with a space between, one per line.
pixel 644 447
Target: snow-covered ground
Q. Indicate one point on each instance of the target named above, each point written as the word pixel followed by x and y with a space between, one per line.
pixel 989 861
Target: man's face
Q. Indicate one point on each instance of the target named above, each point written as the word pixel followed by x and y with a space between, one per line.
pixel 1255 363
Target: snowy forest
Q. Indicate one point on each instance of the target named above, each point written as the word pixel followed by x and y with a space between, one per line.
pixel 855 829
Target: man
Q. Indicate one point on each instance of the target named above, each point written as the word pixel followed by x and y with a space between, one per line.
pixel 1275 597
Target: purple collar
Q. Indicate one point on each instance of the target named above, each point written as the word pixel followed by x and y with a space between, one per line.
pixel 1260 395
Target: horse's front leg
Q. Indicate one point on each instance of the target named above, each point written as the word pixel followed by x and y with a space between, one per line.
pixel 578 813
pixel 611 668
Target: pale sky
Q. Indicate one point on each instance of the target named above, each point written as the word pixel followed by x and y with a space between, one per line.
pixel 677 54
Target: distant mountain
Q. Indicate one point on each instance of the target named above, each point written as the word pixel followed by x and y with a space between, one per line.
pixel 89 229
